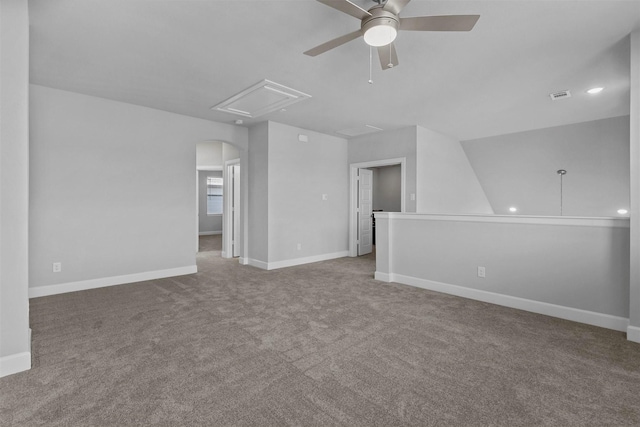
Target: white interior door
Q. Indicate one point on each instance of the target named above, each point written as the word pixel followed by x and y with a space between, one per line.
pixel 365 206
pixel 236 210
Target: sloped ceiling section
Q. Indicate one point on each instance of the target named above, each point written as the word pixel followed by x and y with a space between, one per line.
pixel 185 56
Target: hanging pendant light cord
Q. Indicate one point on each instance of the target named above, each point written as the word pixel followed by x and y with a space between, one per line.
pixel 561 172
pixel 560 195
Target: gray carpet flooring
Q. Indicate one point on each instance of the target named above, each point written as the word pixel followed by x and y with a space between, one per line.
pixel 320 344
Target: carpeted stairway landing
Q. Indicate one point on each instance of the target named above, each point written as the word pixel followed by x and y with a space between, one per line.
pixel 321 344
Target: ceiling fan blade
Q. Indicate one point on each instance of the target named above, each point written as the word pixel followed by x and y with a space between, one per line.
pixel 347 7
pixel 333 43
pixel 439 23
pixel 395 6
pixel 388 56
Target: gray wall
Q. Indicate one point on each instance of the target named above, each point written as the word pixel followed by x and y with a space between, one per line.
pixel 387 182
pixel 299 174
pixel 258 192
pixel 389 145
pixel 287 181
pixel 207 223
pixel 14 187
pixel 446 182
pixel 229 152
pixel 519 169
pixel 437 169
pixel 209 154
pixel 112 186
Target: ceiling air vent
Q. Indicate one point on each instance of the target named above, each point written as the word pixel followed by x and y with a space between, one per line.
pixel 261 98
pixel 560 95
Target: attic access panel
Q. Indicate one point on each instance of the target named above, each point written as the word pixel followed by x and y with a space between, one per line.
pixel 262 98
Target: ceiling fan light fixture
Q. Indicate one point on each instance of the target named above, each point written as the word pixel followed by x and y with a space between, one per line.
pixel 380 34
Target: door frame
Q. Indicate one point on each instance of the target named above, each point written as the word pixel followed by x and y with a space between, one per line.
pixel 227 216
pixel 353 194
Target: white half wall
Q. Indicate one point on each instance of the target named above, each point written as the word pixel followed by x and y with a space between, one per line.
pixel 573 268
pixel 112 187
pixel 15 345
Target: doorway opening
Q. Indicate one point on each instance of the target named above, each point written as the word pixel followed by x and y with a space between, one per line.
pixel 361 202
pixel 215 192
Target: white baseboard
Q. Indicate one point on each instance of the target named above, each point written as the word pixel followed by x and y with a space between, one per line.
pixel 42 291
pixel 307 260
pixel 15 363
pixel 383 277
pixel 568 313
pixel 255 263
pixel 297 261
pixel 633 333
pixel 244 261
pixel 209 233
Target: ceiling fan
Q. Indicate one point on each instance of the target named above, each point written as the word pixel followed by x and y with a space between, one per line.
pixel 381 23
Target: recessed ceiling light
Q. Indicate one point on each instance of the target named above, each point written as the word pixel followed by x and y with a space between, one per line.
pixel 513 209
pixel 595 90
pixel 622 211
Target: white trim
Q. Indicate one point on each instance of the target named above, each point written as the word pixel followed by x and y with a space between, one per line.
pixel 512 219
pixel 633 333
pixel 306 260
pixel 259 264
pixel 209 233
pixel 227 217
pixel 209 168
pixel 297 261
pixel 244 261
pixel 353 194
pixel 568 313
pixel 15 363
pixel 383 277
pixel 42 291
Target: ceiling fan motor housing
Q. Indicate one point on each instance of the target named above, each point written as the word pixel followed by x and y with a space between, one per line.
pixel 379 16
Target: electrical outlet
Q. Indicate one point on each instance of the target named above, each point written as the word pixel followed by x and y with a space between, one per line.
pixel 299 246
pixel 57 267
pixel 481 272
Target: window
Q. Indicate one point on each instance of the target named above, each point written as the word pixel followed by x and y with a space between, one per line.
pixel 214 195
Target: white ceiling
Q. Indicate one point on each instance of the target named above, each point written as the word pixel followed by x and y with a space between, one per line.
pixel 186 56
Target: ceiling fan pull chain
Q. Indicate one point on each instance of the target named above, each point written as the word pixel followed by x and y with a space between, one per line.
pixel 370 66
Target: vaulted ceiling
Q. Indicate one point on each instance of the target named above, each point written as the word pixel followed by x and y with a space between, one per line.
pixel 186 56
